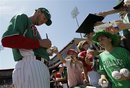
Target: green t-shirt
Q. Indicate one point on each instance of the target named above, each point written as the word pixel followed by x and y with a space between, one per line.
pixel 117 59
pixel 21 25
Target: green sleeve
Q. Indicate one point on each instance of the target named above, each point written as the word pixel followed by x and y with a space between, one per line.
pixel 17 25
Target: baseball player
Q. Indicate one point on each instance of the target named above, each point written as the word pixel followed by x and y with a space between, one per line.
pixel 28 49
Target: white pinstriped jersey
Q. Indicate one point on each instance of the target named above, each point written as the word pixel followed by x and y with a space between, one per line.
pixel 31 73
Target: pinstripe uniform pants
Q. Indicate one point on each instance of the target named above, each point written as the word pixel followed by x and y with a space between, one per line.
pixel 31 73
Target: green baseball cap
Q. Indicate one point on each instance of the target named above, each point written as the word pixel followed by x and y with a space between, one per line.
pixel 114 37
pixel 47 15
pixel 120 3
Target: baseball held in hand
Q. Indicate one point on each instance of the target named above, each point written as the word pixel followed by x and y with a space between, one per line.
pixel 124 72
pixel 116 74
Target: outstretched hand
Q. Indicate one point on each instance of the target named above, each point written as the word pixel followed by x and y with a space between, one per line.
pixel 104 14
pixel 59 55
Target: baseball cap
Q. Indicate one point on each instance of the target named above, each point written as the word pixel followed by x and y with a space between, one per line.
pixel 71 52
pixel 47 15
pixel 80 45
pixel 88 24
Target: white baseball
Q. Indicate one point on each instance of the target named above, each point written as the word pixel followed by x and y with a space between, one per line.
pixel 124 72
pixel 104 84
pixel 116 74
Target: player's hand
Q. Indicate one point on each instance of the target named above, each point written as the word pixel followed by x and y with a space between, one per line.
pixel 46 43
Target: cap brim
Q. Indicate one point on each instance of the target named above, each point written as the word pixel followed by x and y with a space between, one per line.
pixel 49 22
pixel 88 24
pixel 119 5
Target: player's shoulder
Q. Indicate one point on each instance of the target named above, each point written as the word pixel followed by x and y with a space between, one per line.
pixel 22 16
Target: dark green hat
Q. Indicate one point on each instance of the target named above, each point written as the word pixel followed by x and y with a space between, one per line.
pixel 47 15
pixel 114 37
pixel 119 4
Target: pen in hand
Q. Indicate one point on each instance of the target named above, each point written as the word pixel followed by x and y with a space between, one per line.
pixel 47 36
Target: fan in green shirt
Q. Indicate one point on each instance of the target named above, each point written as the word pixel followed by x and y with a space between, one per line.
pixel 113 58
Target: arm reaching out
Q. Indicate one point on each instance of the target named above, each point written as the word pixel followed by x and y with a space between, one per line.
pixel 59 56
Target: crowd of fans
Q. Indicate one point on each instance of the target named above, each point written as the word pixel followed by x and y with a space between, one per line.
pixel 6 83
pixel 102 60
